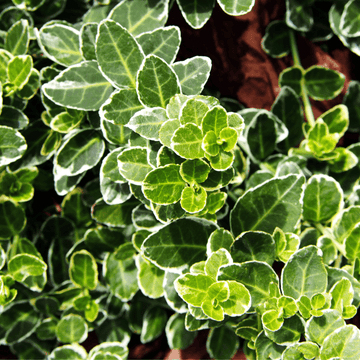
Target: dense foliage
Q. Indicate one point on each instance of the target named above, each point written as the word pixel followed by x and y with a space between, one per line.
pixel 180 211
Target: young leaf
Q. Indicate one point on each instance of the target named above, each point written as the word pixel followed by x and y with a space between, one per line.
pixel 22 266
pixel 239 301
pixel 193 199
pixel 193 111
pixel 187 141
pixel 81 86
pixel 156 82
pixel 60 43
pixel 139 16
pixel 215 120
pixel 304 273
pixel 163 42
pixel 193 73
pixel 114 42
pixel 257 208
pixel 196 13
pixel 187 247
pixel 19 71
pixel 220 238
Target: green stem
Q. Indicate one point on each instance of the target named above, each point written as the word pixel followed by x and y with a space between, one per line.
pixel 295 54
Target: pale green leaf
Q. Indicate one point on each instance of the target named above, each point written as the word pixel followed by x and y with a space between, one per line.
pixel 19 70
pixel 72 328
pixel 120 106
pixel 83 270
pixel 275 203
pixel 88 40
pixel 60 43
pixel 139 16
pixel 156 83
pixel 133 164
pixel 196 12
pixel 193 111
pixel 22 266
pixel 80 152
pixel 163 42
pixel 220 238
pixel 147 122
pixel 179 244
pixel 304 273
pixel 17 38
pixel 345 223
pixel 81 86
pixel 236 7
pixel 118 54
pixel 193 200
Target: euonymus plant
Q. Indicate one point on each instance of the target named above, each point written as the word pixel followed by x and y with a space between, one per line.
pixel 180 211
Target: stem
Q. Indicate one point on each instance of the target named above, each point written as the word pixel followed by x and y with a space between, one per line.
pixel 295 54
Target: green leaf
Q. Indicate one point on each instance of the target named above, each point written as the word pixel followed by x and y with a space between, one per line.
pixel 288 109
pixel 350 19
pixel 210 144
pixel 17 38
pixel 343 160
pixel 163 185
pixel 179 244
pixel 276 41
pixel 215 260
pixel 215 201
pixel 256 276
pixel 342 294
pixel 345 223
pixel 216 293
pixel 272 320
pixel 322 83
pixel 83 270
pixel 275 203
pixel 156 83
pixel 71 328
pixel 73 351
pixel 133 164
pixel 81 86
pixel 140 16
pixel 12 218
pixel 117 348
pixel 167 131
pixel 196 13
pixel 174 106
pixel 171 296
pixel 304 273
pixel 31 87
pixel 116 43
pixel 163 42
pixel 66 121
pixel 176 334
pixel 120 275
pixel 193 288
pixel 60 43
pixel 292 77
pixel 299 16
pixel 343 343
pixel 113 215
pixel 19 70
pixel 29 5
pixel 12 145
pixel 154 323
pixel 236 7
pixel 147 122
pixel 266 348
pixel 88 40
pixel 228 138
pixel 254 245
pixel 350 100
pixel 323 198
pixel 261 135
pixel 22 266
pixel 80 152
pixel 193 74
pixel 351 245
pixel 120 106
pixel 187 141
pixel 150 278
pixel 215 120
pixel 194 171
pixel 320 141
